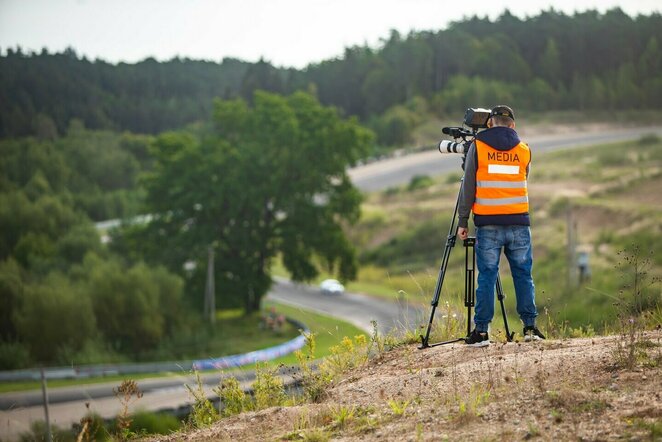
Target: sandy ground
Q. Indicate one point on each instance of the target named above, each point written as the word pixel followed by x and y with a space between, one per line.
pixel 549 390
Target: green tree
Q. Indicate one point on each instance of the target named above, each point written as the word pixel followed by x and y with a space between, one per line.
pixel 379 88
pixel 34 226
pixel 11 288
pixel 499 58
pixel 270 179
pixel 135 307
pixel 44 127
pixel 550 63
pixel 598 95
pixel 627 93
pixel 463 92
pixel 650 65
pixel 261 76
pixel 74 244
pixel 650 62
pixel 394 128
pixel 54 315
pixel 539 95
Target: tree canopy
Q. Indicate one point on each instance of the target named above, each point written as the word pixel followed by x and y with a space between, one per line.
pixel 64 296
pixel 551 61
pixel 270 178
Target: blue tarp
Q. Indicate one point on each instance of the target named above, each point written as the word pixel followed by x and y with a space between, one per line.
pixel 266 354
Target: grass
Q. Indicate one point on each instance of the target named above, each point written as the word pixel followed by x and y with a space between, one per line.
pixel 7 387
pixel 236 333
pixel 329 331
pixel 398 407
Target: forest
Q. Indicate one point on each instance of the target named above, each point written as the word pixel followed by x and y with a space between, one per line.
pixel 551 61
pixel 248 159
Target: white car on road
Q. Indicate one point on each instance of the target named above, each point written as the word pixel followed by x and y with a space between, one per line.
pixel 332 287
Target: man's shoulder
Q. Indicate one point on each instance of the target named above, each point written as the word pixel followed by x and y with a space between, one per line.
pixel 499 138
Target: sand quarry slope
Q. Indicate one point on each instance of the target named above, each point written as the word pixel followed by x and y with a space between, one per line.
pixel 551 390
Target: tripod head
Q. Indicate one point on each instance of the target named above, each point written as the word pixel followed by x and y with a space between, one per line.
pixel 458 132
pixel 475 119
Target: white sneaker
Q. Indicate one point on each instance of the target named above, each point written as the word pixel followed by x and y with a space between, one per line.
pixel 531 333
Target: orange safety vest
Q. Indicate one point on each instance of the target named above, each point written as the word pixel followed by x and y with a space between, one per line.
pixel 501 180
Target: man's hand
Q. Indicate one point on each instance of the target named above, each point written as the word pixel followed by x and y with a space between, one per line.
pixel 463 233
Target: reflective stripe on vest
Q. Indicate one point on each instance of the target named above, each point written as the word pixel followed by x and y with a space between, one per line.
pixel 501 187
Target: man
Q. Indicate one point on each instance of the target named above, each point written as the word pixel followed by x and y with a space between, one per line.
pixel 495 189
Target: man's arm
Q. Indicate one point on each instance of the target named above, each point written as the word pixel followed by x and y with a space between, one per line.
pixel 528 166
pixel 467 194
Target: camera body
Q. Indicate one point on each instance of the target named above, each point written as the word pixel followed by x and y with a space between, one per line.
pixel 476 118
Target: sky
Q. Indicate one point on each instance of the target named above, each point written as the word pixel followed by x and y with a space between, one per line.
pixel 287 33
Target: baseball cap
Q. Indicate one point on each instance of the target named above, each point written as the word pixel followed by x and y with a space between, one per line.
pixel 502 111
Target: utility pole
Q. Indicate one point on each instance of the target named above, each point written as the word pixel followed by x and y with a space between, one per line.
pixel 44 392
pixel 210 296
pixel 572 247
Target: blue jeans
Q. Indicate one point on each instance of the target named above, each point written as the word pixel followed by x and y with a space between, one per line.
pixel 516 243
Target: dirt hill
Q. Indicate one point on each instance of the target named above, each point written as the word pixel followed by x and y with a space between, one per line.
pixel 576 389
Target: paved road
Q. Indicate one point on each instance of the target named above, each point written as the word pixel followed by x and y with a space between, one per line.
pixel 69 404
pixel 398 171
pixel 357 309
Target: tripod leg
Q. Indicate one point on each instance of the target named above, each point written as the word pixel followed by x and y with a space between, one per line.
pixel 469 278
pixel 469 290
pixel 501 297
pixel 450 243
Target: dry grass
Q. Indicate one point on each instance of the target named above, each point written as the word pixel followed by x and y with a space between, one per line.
pixel 555 390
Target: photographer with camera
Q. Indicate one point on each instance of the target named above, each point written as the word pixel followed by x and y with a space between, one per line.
pixel 495 189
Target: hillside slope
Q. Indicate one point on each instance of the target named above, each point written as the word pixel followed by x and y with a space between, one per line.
pixel 553 390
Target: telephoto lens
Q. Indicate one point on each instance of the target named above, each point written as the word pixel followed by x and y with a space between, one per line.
pixel 447 146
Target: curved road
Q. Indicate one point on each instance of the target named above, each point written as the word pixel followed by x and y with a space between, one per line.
pixel 398 171
pixel 357 309
pixel 17 410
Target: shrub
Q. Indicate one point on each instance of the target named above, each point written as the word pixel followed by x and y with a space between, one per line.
pixel 53 315
pixel 649 139
pixel 233 398
pixel 637 297
pixel 315 382
pixel 13 355
pixel 419 182
pixel 154 423
pixel 558 206
pixel 418 246
pixel 39 432
pixel 148 299
pixel 203 412
pixel 268 388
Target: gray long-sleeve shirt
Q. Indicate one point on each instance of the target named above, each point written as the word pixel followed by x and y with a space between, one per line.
pixel 468 188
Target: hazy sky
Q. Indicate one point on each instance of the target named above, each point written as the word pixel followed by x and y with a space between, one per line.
pixel 284 32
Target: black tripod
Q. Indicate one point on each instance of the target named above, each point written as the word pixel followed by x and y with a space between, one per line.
pixel 469 284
